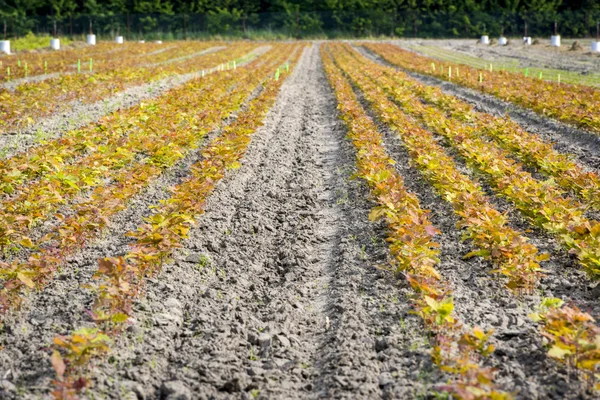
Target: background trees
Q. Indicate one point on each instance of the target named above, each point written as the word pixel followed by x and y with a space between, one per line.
pixel 306 18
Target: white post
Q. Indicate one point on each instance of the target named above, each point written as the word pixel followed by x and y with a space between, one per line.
pixel 5 46
pixel 158 41
pixel 527 40
pixel 119 39
pixel 485 39
pixel 55 44
pixel 91 39
pixel 502 41
pixel 142 41
pixel 596 46
pixel 555 40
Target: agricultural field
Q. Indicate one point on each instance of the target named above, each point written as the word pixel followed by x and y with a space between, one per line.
pixel 327 219
pixel 574 60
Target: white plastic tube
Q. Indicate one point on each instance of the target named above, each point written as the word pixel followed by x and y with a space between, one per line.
pixel 527 40
pixel 555 40
pixel 55 44
pixel 5 46
pixel 91 40
pixel 119 39
pixel 596 46
pixel 502 41
pixel 158 41
pixel 485 39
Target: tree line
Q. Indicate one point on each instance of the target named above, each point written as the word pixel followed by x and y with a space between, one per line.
pixel 302 18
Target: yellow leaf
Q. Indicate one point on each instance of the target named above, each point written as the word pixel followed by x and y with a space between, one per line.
pixel 26 280
pixel 26 242
pixel 558 352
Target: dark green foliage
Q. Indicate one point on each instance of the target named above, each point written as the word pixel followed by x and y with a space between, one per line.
pixel 305 18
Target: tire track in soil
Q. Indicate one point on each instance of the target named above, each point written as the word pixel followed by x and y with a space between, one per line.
pixel 566 138
pixel 480 300
pixel 284 245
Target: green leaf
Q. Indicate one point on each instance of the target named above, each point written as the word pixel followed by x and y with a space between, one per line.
pixel 480 253
pixel 119 318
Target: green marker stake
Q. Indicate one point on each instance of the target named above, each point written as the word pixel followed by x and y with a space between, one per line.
pixel 90 65
pixel 19 63
pixel 540 74
pixel 234 65
pixel 8 73
pixel 491 68
pixel 277 74
pixel 78 66
pixel 45 66
pixel 433 67
pixel 480 77
pixel 457 75
pixel 449 72
pixel 203 73
pixel 526 71
pixel 287 67
pixel 559 79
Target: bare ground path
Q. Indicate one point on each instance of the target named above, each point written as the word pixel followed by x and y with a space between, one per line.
pixel 276 294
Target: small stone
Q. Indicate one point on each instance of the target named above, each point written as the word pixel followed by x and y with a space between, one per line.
pixel 286 385
pixel 164 319
pixel 134 329
pixel 6 386
pixel 172 302
pixel 252 338
pixel 341 380
pixel 509 334
pixel 493 320
pixel 385 379
pixel 381 344
pixel 212 247
pixel 285 342
pixel 237 328
pixel 134 387
pixel 255 371
pixel 282 363
pixel 236 384
pixel 264 340
pixel 175 390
